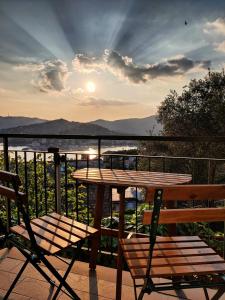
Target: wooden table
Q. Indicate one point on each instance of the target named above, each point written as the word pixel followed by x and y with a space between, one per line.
pixel 121 179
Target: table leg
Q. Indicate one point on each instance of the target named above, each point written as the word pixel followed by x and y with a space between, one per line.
pixel 121 192
pixel 171 228
pixel 97 224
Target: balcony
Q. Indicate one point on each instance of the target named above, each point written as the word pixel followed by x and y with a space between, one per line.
pixel 46 179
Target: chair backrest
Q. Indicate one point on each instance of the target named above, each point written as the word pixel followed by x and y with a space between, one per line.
pixel 9 188
pixel 11 193
pixel 188 193
pixel 159 195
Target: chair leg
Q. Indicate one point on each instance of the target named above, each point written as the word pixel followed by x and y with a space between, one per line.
pixel 64 278
pixel 15 280
pixel 135 289
pixel 63 283
pixel 219 293
pixel 141 295
pixel 206 293
pixel 36 266
pixel 79 246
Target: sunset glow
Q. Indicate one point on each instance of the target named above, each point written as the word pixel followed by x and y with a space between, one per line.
pixel 90 86
pixel 86 60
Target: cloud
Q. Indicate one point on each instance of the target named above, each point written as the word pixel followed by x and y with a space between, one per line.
pixel 220 47
pixel 215 27
pixel 48 76
pixel 87 64
pixel 53 76
pixel 78 91
pixel 216 30
pixel 100 102
pixel 124 67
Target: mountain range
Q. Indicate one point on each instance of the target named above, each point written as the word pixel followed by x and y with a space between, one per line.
pixel 60 126
pixel 133 126
pixel 10 122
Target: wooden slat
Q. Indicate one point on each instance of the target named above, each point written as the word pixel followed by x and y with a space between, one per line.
pixel 44 244
pixel 74 223
pixel 170 216
pixel 65 227
pixel 161 239
pixel 10 177
pixel 168 253
pixel 175 261
pixel 189 192
pixel 10 193
pixel 180 270
pixel 165 246
pixel 69 237
pixel 176 258
pixel 51 238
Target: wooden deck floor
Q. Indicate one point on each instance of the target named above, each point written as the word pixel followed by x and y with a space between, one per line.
pixel 99 285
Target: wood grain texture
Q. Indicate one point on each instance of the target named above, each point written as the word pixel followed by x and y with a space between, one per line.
pixel 55 232
pixel 188 215
pixel 189 192
pixel 9 177
pixel 10 194
pixel 172 256
pixel 129 178
pixel 43 244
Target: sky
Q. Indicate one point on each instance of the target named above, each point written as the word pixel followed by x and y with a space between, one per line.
pixel 88 59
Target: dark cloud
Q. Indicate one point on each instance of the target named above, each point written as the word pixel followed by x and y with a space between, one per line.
pixel 87 63
pixel 87 60
pixel 48 76
pixel 53 76
pixel 124 66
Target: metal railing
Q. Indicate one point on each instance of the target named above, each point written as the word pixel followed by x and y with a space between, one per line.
pixel 51 187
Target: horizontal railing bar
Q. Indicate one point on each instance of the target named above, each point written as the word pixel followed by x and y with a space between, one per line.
pixel 160 156
pixel 216 139
pixel 119 155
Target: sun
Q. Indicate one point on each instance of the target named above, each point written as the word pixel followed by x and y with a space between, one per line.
pixel 90 86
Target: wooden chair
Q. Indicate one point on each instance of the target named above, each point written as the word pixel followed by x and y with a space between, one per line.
pixel 47 235
pixel 181 261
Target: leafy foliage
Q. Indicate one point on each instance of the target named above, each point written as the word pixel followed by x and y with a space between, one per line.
pixel 38 181
pixel 198 111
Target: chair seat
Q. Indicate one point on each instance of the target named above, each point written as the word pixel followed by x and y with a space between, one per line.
pixel 55 232
pixel 172 256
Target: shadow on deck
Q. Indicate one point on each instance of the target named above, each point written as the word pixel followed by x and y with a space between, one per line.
pixel 99 285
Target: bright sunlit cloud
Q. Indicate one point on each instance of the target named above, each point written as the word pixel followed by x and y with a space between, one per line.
pixel 90 86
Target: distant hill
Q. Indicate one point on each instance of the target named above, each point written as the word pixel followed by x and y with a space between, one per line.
pixel 10 122
pixel 60 126
pixel 134 126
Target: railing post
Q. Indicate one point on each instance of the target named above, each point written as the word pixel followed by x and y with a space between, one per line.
pixel 58 202
pixel 6 153
pixel 99 153
pixel 6 166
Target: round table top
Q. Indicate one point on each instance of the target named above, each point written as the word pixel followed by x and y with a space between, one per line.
pixel 116 177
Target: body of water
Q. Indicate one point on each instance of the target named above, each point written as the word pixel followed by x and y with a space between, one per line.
pixel 91 151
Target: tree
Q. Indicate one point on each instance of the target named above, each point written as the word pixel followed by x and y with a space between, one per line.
pixel 198 111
